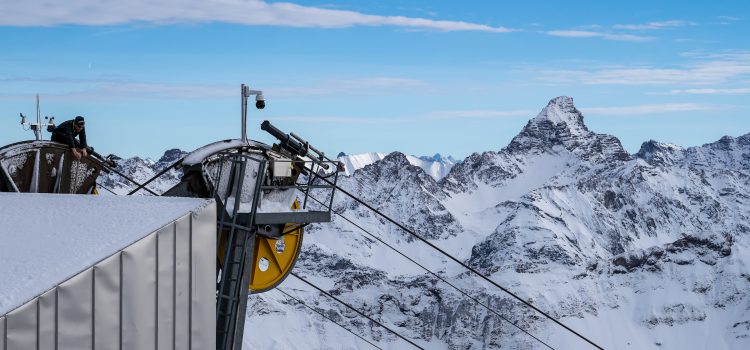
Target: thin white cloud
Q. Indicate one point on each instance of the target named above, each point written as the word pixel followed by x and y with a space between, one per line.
pixel 707 73
pixel 114 88
pixel 362 86
pixel 615 32
pixel 479 114
pixel 734 91
pixel 636 110
pixel 728 18
pixel 646 109
pixel 654 25
pixel 334 119
pixel 130 90
pixel 726 68
pixel 724 55
pixel 246 12
pixel 601 35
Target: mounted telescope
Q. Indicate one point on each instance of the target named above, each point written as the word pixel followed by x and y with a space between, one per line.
pixel 297 146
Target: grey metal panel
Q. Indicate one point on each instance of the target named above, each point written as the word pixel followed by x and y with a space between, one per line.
pixel 203 316
pixel 139 295
pixel 21 327
pixel 107 303
pixel 75 312
pixel 293 217
pixel 157 293
pixel 182 283
pixel 2 333
pixel 165 288
pixel 48 320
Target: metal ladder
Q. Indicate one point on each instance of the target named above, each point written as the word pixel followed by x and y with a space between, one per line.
pixel 236 268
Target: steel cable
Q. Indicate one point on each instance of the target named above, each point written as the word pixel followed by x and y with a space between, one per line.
pixel 467 267
pixel 355 310
pixel 438 276
pixel 326 317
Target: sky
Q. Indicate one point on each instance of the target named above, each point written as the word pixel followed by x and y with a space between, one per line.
pixel 421 77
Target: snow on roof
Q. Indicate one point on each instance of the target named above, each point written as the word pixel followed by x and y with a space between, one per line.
pixel 202 153
pixel 47 238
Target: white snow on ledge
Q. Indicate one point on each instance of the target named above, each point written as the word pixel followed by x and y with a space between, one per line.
pixel 47 238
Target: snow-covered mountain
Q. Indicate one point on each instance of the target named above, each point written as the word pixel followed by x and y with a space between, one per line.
pixel 436 166
pixel 635 251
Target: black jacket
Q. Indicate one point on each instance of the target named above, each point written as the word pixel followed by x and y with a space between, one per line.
pixel 64 133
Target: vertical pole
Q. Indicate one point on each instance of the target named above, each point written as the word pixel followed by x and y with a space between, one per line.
pixel 38 130
pixel 244 93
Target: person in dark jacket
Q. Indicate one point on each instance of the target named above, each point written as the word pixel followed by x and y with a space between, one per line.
pixel 66 133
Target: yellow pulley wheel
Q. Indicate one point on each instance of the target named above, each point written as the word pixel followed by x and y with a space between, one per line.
pixel 274 259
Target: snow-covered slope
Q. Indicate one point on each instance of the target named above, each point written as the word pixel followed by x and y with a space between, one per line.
pixel 436 166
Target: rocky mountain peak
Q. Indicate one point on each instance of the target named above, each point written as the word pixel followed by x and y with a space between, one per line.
pixel 562 112
pixel 169 158
pixel 388 168
pixel 397 158
pixel 172 155
pixel 560 123
pixel 657 153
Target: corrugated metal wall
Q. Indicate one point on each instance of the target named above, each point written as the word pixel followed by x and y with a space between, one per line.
pixel 158 293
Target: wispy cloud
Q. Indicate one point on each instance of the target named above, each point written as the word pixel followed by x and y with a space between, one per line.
pixel 721 69
pixel 654 25
pixel 602 35
pixel 479 114
pixel 130 90
pixel 618 32
pixel 335 119
pixel 726 20
pixel 121 88
pixel 647 109
pixel 246 12
pixel 438 116
pixel 734 91
pixel 362 86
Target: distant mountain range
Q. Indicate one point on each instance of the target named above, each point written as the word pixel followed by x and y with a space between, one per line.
pixel 635 251
pixel 436 166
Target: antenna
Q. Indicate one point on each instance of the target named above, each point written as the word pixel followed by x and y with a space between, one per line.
pixel 36 128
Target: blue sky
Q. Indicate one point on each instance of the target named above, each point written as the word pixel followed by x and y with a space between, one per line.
pixel 416 76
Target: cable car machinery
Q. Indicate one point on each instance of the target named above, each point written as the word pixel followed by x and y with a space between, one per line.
pixel 262 196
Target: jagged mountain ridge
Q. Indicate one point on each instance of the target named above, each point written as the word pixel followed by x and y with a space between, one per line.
pixel 436 166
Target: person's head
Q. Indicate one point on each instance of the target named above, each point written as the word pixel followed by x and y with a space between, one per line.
pixel 78 123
